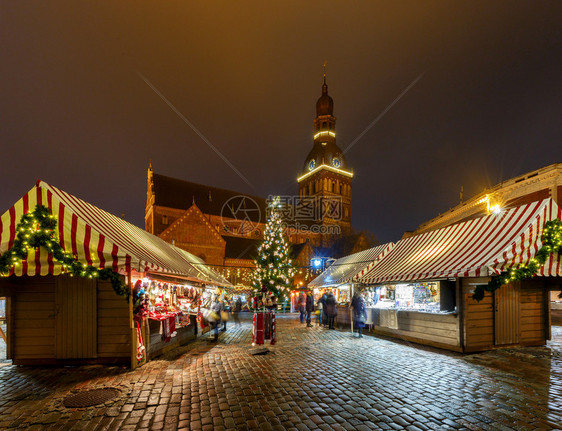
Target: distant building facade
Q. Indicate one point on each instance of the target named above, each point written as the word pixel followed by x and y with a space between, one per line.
pixel 533 186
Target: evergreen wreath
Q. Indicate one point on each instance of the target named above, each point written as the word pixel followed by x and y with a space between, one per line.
pixel 37 229
pixel 552 243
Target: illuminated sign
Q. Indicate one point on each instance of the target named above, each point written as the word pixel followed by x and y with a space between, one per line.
pixel 317 263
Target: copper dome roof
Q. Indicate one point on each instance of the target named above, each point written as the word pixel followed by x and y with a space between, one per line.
pixel 325 104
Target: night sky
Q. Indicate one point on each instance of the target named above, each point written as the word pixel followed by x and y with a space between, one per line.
pixel 75 112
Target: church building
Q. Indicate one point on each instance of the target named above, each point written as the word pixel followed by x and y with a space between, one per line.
pixel 225 227
pixel 326 180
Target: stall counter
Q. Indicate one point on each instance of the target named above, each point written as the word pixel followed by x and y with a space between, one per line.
pixel 437 329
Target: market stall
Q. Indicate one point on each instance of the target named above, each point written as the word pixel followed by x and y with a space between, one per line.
pixel 423 289
pixel 77 306
pixel 169 308
pixel 338 276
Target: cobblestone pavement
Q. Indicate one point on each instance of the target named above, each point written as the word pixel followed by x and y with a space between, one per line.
pixel 312 379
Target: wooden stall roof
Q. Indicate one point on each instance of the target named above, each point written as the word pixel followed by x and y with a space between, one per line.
pixel 98 238
pixel 480 247
pixel 344 269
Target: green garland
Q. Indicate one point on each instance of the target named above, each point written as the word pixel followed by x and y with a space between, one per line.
pixel 37 229
pixel 552 243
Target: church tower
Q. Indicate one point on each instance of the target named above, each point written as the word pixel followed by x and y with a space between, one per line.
pixel 326 178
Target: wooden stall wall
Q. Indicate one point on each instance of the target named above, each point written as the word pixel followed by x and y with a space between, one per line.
pixel 516 314
pixel 114 325
pixel 76 318
pixel 507 315
pixel 430 329
pixel 478 318
pixel 534 319
pixel 33 312
pixel 440 330
pixel 59 320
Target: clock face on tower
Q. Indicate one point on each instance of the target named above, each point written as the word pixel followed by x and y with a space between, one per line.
pixel 336 162
pixel 311 165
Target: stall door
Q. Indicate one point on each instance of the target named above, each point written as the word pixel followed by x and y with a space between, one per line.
pixel 506 315
pixel 76 318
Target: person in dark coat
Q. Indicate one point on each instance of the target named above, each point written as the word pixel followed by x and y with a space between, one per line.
pixel 301 306
pixel 359 313
pixel 330 309
pixel 309 308
pixel 322 302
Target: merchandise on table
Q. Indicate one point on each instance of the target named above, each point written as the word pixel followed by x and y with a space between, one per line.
pixel 168 303
pixel 343 295
pixel 424 297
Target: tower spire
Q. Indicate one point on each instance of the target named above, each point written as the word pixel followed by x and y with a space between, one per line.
pixel 324 66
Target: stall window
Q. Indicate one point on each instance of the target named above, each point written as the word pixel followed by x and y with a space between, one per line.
pixel 448 295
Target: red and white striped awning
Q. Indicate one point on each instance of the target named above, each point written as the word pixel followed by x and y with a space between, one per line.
pixel 345 268
pixel 98 238
pixel 480 247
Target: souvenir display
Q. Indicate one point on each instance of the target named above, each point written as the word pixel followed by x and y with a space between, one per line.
pixel 408 296
pixel 170 304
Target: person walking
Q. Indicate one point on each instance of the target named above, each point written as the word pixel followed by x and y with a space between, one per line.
pixel 319 308
pixel 359 313
pixel 301 306
pixel 331 309
pixel 236 309
pixel 324 319
pixel 309 308
pixel 216 307
pixel 224 313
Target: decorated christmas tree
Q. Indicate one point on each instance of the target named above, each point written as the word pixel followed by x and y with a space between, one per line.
pixel 274 269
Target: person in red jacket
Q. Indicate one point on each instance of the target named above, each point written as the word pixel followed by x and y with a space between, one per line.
pixel 301 306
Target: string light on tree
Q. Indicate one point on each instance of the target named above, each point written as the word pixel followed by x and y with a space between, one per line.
pixel 274 268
